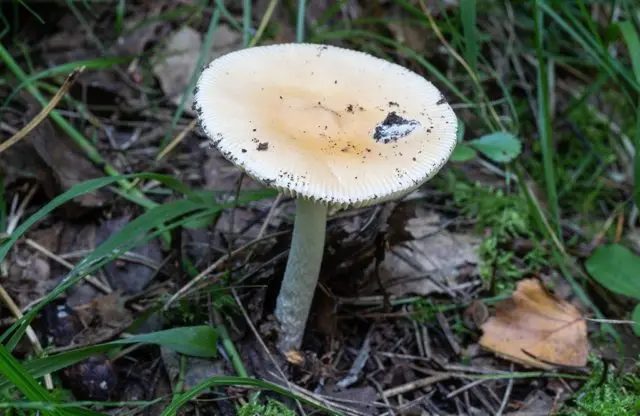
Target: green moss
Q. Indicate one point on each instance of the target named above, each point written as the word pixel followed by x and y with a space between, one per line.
pixel 504 218
pixel 606 394
pixel 271 408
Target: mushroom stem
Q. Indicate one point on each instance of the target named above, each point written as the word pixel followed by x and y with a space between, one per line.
pixel 301 275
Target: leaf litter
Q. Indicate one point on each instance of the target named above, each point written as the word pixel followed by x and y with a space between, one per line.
pixel 179 59
pixel 431 259
pixel 536 329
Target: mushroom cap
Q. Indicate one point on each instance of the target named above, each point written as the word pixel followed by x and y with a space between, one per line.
pixel 325 123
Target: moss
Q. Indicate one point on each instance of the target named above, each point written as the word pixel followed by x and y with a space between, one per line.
pixel 606 394
pixel 270 408
pixel 503 218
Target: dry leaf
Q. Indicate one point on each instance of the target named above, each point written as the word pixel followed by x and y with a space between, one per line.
pixel 181 54
pixel 128 276
pixel 294 357
pixel 54 159
pixel 536 329
pixel 434 261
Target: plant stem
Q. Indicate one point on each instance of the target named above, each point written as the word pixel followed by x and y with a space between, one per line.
pixel 301 275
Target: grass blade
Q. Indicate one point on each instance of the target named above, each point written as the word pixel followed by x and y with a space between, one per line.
pixel 64 69
pixel 197 341
pixel 468 12
pixel 204 53
pixel 32 390
pixel 544 120
pixel 632 39
pixel 90 151
pixel 180 400
pixel 162 218
pixel 84 188
pixel 3 208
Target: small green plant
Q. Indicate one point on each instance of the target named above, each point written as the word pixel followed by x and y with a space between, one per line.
pixel 425 310
pixel 615 267
pixel 606 394
pixel 500 147
pixel 505 217
pixel 271 408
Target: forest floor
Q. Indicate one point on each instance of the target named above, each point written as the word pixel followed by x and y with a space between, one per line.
pixel 139 268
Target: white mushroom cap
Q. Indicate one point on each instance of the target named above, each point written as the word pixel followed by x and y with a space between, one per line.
pixel 326 123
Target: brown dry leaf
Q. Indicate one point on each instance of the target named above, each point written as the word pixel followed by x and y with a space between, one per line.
pixel 180 58
pixel 294 357
pixel 29 277
pixel 196 369
pixel 66 164
pixel 536 329
pixel 130 277
pixel 434 261
pixel 103 318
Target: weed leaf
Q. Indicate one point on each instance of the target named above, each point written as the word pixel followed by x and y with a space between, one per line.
pixel 180 400
pixel 499 147
pixel 462 153
pixel 616 268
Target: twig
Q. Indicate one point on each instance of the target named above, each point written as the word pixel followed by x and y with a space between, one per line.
pixel 358 363
pixel 18 212
pixel 184 289
pixel 446 328
pixel 177 140
pixel 507 394
pixel 319 399
pixel 414 385
pixel 64 88
pixel 263 23
pixel 610 321
pixel 385 399
pixel 89 278
pixel 266 222
pixel 466 387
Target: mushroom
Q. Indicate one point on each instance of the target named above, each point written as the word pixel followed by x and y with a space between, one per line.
pixel 331 127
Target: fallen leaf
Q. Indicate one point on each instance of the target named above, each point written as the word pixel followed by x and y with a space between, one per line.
pixel 106 310
pixel 29 277
pixel 182 52
pixel 195 369
pixel 221 175
pixel 174 72
pixel 67 165
pixel 358 399
pixel 435 261
pixel 537 403
pixel 294 357
pixel 130 276
pixel 536 329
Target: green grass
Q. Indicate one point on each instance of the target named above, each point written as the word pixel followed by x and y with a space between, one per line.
pixel 270 408
pixel 506 68
pixel 504 218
